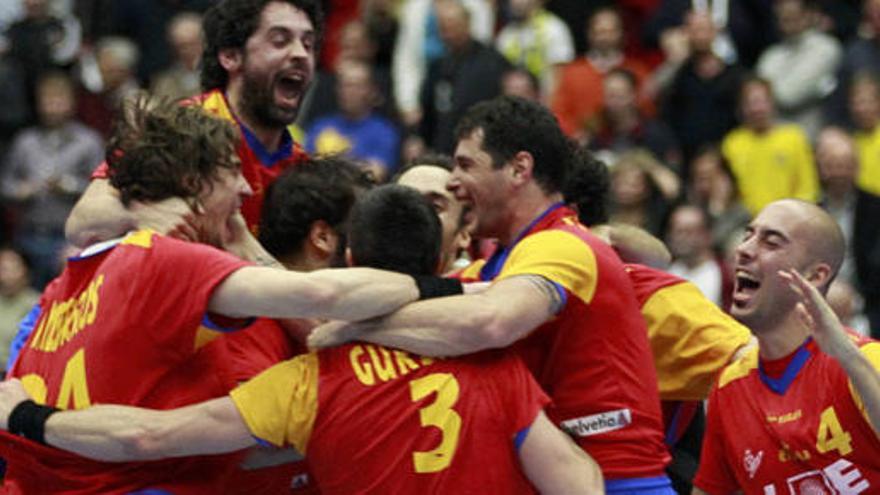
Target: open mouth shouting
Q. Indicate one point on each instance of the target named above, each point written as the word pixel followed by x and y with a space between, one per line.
pixel 289 88
pixel 745 287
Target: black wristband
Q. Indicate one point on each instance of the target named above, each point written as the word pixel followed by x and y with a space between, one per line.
pixel 28 419
pixel 431 286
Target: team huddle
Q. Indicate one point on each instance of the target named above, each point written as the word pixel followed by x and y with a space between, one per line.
pixel 245 318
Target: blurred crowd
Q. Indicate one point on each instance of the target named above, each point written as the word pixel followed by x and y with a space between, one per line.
pixel 704 110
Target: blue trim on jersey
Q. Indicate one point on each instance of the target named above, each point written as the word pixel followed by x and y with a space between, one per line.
pixel 150 491
pixel 25 329
pixel 672 430
pixel 658 485
pixel 266 158
pixel 96 249
pixel 263 443
pixel 781 384
pixel 520 437
pixel 208 323
pixel 493 265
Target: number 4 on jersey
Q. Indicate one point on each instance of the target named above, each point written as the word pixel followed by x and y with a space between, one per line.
pixel 831 435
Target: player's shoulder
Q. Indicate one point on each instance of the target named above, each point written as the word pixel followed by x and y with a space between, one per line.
pixel 739 369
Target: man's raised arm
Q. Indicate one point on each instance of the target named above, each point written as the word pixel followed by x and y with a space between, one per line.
pixel 99 215
pixel 342 293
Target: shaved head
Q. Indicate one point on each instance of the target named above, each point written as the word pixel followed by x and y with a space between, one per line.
pixel 820 233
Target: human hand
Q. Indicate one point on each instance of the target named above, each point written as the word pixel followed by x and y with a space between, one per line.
pixel 815 313
pixel 12 393
pixel 172 217
pixel 332 334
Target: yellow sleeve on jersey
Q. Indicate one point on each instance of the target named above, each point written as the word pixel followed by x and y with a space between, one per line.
pixel 692 340
pixel 871 351
pixel 558 256
pixel 739 368
pixel 280 404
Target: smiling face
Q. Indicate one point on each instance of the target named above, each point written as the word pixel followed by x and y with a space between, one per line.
pixel 431 181
pixel 219 200
pixel 276 65
pixel 777 239
pixel 475 182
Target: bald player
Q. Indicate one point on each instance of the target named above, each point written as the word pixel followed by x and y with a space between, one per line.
pixel 800 413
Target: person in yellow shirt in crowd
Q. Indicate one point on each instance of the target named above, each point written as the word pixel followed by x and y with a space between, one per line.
pixel 770 160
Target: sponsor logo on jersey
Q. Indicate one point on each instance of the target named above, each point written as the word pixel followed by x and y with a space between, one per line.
pixel 595 424
pixel 751 462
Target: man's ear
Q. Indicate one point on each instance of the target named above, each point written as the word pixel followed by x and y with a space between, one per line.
pixel 819 275
pixel 323 238
pixel 230 59
pixel 522 164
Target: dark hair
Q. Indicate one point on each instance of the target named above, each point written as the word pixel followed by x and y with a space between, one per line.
pixel 160 149
pixel 588 186
pixel 510 125
pixel 315 189
pixel 229 24
pixel 394 228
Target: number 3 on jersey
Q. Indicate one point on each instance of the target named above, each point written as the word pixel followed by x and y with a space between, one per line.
pixel 831 435
pixel 440 415
pixel 73 384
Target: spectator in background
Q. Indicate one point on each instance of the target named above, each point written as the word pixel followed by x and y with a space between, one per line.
pixel 116 60
pixel 144 22
pixel 713 188
pixel 468 73
pixel 42 41
pixel 622 126
pixel 536 40
pixel 861 54
pixel 641 191
pixel 856 211
pixel 380 17
pixel 864 107
pixel 357 129
pixel 846 303
pixel 355 44
pixel 522 83
pixel 578 94
pixel 802 67
pixel 770 160
pixel 419 44
pixel 47 168
pixel 17 297
pixel 745 27
pixel 181 80
pixel 689 237
pixel 700 104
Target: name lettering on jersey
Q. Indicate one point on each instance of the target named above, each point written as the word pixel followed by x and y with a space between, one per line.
pixel 786 454
pixel 840 477
pixel 372 364
pixel 785 418
pixel 65 319
pixel 751 462
pixel 595 424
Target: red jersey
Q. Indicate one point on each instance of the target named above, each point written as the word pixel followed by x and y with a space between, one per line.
pixel 691 339
pixel 125 323
pixel 375 420
pixel 593 358
pixel 251 351
pixel 259 167
pixel 790 426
